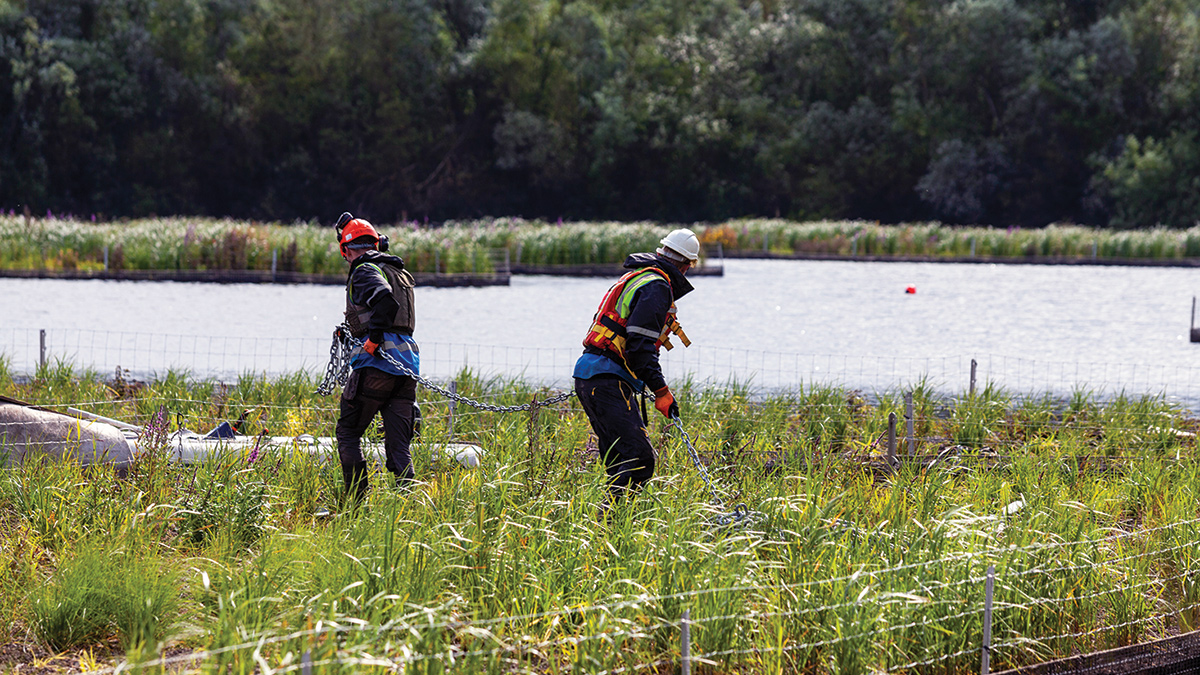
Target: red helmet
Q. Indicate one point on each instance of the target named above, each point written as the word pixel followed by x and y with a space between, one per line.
pixel 355 229
pixel 361 229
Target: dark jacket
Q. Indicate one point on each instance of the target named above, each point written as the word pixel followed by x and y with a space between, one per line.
pixel 648 310
pixel 379 296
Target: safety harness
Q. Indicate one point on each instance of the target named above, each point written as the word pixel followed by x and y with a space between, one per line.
pixel 358 317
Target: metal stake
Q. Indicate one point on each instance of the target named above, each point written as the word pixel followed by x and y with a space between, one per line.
pixel 42 339
pixel 274 262
pixel 971 392
pixel 908 420
pixel 891 447
pixel 453 404
pixel 987 620
pixel 685 639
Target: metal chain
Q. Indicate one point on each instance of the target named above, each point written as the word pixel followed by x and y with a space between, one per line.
pixel 339 368
pixel 741 514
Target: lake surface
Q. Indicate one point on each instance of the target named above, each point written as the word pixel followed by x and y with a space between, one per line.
pixel 770 323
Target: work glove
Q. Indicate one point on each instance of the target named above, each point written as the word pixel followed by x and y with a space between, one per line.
pixel 373 341
pixel 665 403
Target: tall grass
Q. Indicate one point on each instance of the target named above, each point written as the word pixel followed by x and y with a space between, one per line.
pixel 934 240
pixel 483 246
pixel 849 565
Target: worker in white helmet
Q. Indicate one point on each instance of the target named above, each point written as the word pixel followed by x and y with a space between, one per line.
pixel 620 358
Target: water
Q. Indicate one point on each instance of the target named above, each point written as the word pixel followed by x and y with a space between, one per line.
pixel 773 324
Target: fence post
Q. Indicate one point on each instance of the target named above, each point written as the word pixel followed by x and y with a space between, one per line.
pixel 891 447
pixel 908 420
pixel 685 642
pixel 106 259
pixel 507 262
pixel 42 350
pixel 306 663
pixel 971 391
pixel 1193 333
pixel 534 434
pixel 274 263
pixel 985 662
pixel 453 405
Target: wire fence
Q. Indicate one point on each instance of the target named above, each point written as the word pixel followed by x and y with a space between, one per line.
pixel 888 606
pixel 883 619
pixel 226 357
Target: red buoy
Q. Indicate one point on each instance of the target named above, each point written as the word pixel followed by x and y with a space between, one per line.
pixel 911 290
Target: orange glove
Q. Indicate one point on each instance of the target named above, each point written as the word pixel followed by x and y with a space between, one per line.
pixel 371 346
pixel 664 402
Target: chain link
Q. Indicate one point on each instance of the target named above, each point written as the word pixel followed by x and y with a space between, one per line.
pixel 741 514
pixel 338 371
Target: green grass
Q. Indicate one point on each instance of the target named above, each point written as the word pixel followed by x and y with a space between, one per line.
pixel 482 247
pixel 1081 505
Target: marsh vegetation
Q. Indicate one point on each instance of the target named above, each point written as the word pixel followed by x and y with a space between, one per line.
pixel 846 563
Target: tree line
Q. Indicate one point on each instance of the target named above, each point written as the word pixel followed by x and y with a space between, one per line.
pixel 1001 112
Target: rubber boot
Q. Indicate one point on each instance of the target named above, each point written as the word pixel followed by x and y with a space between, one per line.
pixel 604 510
pixel 355 478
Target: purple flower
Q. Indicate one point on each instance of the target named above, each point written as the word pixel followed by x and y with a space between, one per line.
pixel 257 445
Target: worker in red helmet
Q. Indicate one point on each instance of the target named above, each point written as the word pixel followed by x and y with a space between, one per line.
pixel 620 359
pixel 379 311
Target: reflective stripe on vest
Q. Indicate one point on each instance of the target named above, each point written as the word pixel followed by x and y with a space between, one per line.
pixel 609 326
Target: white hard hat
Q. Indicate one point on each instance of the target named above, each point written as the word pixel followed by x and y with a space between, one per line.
pixel 682 241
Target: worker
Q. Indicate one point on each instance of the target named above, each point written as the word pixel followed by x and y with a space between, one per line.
pixel 379 311
pixel 620 359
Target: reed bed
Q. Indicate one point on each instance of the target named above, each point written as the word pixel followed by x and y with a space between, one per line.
pixel 935 240
pixel 484 246
pixel 1086 509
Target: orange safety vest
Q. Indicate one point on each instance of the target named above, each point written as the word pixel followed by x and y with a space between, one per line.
pixel 608 330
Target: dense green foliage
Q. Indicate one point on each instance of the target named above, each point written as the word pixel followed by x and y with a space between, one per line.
pixel 1083 507
pixel 1004 112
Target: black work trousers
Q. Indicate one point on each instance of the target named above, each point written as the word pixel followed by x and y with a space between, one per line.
pixel 367 392
pixel 611 406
